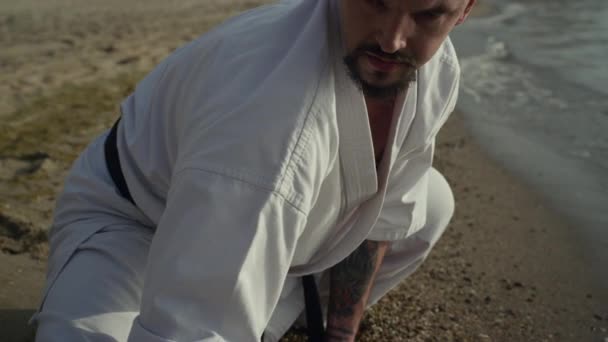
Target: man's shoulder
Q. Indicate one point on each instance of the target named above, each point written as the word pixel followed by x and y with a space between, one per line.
pixel 262 36
pixel 437 90
pixel 447 55
pixel 438 80
pixel 445 61
pixel 254 108
pixel 282 46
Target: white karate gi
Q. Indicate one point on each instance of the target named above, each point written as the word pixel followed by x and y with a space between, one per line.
pixel 249 155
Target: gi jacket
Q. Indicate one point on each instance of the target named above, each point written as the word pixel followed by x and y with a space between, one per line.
pixel 249 151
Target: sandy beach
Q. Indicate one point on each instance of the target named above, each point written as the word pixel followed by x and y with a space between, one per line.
pixel 508 268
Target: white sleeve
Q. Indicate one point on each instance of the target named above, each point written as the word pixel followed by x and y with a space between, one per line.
pixel 404 209
pixel 218 260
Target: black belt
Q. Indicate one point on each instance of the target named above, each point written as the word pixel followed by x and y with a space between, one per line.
pixel 113 164
pixel 314 315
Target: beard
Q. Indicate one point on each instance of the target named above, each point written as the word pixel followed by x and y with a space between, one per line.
pixel 381 89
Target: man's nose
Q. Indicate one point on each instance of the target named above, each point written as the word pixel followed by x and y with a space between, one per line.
pixel 393 35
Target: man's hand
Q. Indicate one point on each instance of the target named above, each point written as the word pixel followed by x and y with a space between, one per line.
pixel 350 285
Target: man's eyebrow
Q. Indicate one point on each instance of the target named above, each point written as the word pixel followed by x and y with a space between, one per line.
pixel 442 8
pixel 438 7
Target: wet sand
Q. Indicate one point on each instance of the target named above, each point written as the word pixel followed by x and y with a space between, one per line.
pixel 507 269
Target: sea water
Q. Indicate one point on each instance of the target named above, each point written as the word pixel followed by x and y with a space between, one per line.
pixel 535 94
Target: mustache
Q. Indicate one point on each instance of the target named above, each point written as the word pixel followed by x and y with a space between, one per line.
pixel 403 57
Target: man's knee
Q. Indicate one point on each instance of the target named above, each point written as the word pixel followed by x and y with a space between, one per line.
pixel 97 293
pixel 440 207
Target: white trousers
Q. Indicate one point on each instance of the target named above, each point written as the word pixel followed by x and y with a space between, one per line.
pixel 94 289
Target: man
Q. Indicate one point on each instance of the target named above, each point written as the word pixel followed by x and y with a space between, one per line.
pixel 296 139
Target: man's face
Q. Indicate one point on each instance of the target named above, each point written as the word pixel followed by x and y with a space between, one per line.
pixel 387 40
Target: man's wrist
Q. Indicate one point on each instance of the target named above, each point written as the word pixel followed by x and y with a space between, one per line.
pixel 339 335
pixel 344 329
pixel 350 285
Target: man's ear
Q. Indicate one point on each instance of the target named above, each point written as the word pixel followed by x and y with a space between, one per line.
pixel 467 10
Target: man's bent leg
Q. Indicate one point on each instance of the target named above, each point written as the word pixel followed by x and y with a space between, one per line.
pixel 97 294
pixel 405 256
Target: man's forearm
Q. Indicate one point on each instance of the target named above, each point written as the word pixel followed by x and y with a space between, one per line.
pixel 350 285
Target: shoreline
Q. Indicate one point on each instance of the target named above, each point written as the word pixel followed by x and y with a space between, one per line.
pixel 547 146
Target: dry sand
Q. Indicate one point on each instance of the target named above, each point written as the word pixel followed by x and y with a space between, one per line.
pixel 508 269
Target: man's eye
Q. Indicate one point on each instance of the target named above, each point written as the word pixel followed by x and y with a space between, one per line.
pixel 378 4
pixel 429 15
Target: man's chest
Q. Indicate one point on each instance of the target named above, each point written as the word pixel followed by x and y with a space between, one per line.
pixel 380 115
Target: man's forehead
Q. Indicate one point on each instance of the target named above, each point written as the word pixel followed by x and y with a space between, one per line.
pixel 420 5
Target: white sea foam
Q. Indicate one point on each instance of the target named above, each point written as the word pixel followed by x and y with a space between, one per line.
pixel 493 74
pixel 507 12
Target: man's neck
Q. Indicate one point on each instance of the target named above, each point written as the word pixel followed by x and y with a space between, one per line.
pixel 380 115
pixel 380 106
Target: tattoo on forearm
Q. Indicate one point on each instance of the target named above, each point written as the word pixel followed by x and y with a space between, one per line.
pixel 350 279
